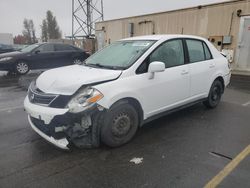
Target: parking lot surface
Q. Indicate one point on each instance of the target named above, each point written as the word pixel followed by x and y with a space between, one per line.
pixel 187 148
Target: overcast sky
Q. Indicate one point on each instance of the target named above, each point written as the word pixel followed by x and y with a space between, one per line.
pixel 12 12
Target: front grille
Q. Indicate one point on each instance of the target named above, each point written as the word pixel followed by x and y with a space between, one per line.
pixel 36 96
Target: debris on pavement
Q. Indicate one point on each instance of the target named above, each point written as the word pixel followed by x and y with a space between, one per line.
pixel 136 160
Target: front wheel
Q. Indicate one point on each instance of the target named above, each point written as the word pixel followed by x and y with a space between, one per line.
pixel 120 125
pixel 22 68
pixel 215 94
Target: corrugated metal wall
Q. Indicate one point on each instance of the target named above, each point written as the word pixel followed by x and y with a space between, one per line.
pixel 211 20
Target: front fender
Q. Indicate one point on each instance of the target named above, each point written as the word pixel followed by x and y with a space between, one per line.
pixel 109 100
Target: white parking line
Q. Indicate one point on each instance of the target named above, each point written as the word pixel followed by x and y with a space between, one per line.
pixel 246 104
pixel 9 109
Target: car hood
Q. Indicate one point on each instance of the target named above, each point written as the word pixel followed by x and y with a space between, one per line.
pixel 67 80
pixel 11 54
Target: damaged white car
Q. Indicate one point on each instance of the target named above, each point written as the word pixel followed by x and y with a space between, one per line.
pixel 120 88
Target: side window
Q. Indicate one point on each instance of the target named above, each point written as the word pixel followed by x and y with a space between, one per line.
pixel 63 47
pixel 46 48
pixel 195 51
pixel 171 53
pixel 207 52
pixel 143 68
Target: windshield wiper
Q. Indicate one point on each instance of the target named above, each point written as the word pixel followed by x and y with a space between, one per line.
pixel 98 65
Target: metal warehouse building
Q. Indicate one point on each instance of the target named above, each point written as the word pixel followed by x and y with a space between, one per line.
pixel 226 25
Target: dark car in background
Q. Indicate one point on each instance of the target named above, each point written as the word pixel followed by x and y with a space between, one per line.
pixel 6 48
pixel 41 56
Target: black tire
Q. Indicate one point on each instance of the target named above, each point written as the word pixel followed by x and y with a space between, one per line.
pixel 77 61
pixel 215 94
pixel 120 125
pixel 22 68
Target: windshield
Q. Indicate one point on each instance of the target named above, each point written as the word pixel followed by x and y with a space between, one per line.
pixel 30 48
pixel 119 55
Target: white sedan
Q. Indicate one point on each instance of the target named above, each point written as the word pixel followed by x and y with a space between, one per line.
pixel 126 84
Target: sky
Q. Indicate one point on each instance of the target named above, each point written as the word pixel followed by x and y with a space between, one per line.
pixel 13 12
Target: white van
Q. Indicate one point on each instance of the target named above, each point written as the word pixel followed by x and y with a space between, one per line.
pixel 123 86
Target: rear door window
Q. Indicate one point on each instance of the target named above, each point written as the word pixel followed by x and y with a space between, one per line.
pixel 63 47
pixel 46 48
pixel 208 54
pixel 195 50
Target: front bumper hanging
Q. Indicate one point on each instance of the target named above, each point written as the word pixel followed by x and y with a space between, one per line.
pixel 65 129
pixel 61 143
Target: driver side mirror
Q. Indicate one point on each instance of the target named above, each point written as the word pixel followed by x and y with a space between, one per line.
pixel 37 52
pixel 154 67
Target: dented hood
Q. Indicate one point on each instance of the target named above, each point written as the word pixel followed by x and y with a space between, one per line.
pixel 67 80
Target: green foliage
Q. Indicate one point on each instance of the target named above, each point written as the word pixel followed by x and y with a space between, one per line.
pixel 44 28
pixel 50 28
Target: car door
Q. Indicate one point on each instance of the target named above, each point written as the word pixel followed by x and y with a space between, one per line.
pixel 43 56
pixel 202 67
pixel 168 89
pixel 64 54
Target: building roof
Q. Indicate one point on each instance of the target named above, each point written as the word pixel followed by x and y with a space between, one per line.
pixel 175 10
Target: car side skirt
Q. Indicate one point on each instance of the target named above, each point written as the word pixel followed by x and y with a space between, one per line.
pixel 154 117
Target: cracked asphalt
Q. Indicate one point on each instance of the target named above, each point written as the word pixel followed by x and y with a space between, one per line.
pixel 183 149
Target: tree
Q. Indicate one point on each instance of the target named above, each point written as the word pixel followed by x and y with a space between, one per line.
pixel 20 39
pixel 44 28
pixel 33 31
pixel 50 28
pixel 29 31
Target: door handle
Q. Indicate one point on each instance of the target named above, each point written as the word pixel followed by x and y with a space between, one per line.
pixel 211 65
pixel 183 72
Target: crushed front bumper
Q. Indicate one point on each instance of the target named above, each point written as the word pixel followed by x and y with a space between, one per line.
pixel 61 143
pixel 62 128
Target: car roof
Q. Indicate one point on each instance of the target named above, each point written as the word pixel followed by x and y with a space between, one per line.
pixel 40 43
pixel 162 37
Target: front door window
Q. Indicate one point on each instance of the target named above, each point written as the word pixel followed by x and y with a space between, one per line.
pixel 171 53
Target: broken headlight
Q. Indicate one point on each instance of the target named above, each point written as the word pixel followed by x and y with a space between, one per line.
pixel 84 99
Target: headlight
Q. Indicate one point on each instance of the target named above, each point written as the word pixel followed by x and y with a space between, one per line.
pixel 84 99
pixel 6 58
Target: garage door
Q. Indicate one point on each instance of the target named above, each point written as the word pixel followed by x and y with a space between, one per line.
pixel 243 62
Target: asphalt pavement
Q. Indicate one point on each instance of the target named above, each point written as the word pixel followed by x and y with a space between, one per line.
pixel 187 148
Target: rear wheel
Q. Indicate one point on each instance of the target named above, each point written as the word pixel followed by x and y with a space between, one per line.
pixel 120 125
pixel 22 68
pixel 77 61
pixel 215 94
